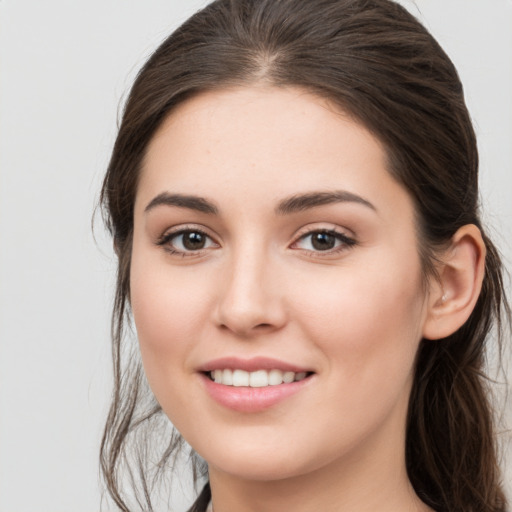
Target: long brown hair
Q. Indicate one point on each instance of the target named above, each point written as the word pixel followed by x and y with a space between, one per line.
pixel 379 64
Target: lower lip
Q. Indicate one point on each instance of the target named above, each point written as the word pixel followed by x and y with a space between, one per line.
pixel 247 399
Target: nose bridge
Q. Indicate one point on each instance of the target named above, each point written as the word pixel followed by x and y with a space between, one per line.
pixel 250 299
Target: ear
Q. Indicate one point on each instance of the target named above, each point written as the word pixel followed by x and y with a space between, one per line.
pixel 453 296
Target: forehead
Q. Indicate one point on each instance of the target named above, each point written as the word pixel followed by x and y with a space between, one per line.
pixel 263 143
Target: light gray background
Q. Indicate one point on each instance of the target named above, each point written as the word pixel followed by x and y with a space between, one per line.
pixel 64 69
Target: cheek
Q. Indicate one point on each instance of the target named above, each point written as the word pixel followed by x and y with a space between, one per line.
pixel 169 314
pixel 366 324
pixel 169 309
pixel 367 317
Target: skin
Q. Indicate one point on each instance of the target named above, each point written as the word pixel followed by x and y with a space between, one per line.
pixel 354 314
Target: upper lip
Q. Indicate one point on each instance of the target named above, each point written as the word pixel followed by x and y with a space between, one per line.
pixel 251 365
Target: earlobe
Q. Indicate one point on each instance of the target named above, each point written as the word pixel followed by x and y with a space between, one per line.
pixel 453 296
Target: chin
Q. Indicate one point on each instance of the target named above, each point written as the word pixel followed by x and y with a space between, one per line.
pixel 258 469
pixel 257 462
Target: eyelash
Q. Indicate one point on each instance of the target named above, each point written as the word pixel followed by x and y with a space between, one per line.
pixel 165 242
pixel 345 242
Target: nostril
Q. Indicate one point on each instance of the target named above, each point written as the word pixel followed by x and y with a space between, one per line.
pixel 247 331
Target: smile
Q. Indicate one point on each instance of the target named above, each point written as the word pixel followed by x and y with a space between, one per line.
pixel 253 385
pixel 255 379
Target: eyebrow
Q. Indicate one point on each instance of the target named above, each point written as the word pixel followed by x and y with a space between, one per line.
pixel 293 204
pixel 301 202
pixel 196 203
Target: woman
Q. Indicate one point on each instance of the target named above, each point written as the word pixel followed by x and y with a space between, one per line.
pixel 293 198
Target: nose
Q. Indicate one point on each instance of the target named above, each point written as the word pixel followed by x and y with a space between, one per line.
pixel 251 300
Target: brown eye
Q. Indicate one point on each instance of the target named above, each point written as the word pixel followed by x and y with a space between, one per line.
pixel 323 241
pixel 187 241
pixel 193 240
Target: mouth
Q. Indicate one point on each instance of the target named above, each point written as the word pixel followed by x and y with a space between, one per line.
pixel 255 379
pixel 254 385
pixel 254 391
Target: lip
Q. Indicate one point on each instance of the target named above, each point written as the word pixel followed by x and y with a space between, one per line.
pixel 252 400
pixel 251 365
pixel 247 399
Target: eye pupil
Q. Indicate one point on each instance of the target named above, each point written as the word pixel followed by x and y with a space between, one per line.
pixel 323 241
pixel 193 240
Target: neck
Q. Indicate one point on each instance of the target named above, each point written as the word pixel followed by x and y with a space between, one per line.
pixel 307 494
pixel 373 481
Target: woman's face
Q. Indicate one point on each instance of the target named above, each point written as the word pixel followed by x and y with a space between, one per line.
pixel 271 244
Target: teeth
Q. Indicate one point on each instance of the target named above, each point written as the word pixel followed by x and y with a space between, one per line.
pixel 275 377
pixel 240 378
pixel 288 377
pixel 257 379
pixel 227 377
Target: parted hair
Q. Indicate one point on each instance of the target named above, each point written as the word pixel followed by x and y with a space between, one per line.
pixel 375 61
